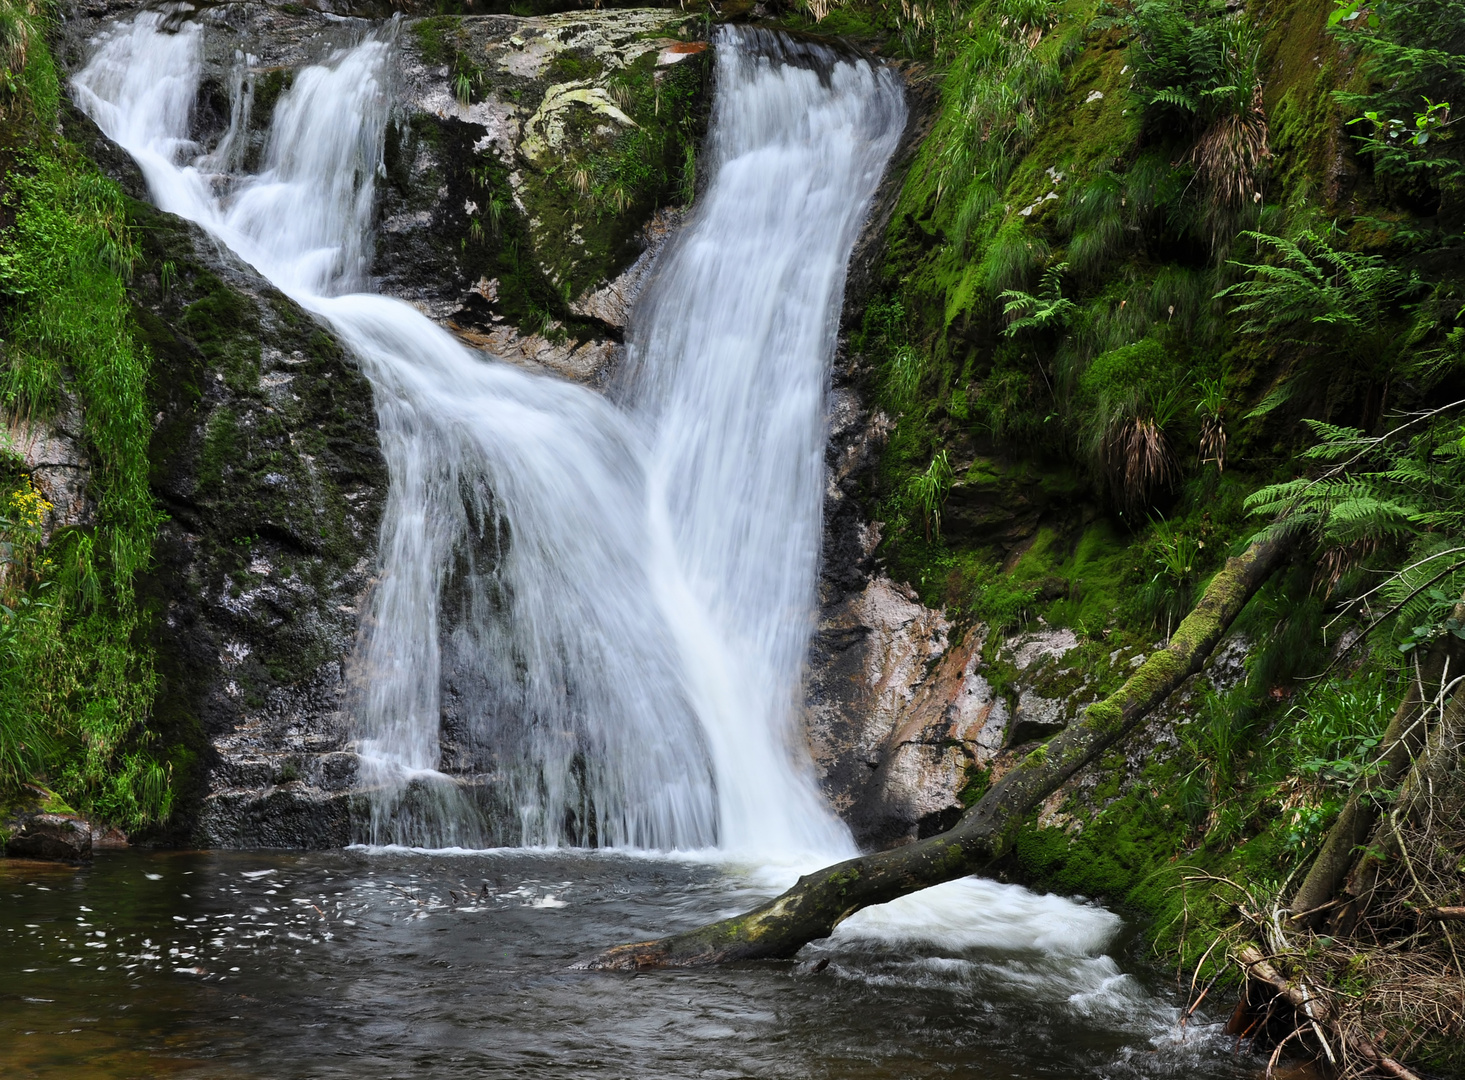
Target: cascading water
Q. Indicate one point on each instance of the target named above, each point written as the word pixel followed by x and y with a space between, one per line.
pixel 729 370
pixel 621 592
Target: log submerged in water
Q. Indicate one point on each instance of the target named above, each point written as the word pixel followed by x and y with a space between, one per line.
pixel 822 900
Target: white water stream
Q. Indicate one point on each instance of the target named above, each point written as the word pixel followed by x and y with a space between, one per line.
pixel 624 590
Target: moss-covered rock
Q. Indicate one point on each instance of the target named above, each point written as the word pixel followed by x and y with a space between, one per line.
pixel 264 459
pixel 526 164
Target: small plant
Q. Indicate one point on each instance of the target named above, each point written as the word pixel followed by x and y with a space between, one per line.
pixel 929 490
pixel 903 374
pixel 463 89
pixel 1177 558
pixel 1127 398
pixel 1049 310
pixel 1431 120
pixel 1413 55
pixel 1212 408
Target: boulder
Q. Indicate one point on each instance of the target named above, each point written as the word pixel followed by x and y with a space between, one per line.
pixel 57 837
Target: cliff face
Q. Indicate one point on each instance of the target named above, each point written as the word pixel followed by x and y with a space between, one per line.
pixel 509 211
pixel 264 459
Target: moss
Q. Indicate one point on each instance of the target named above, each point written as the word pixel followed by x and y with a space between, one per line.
pixel 1124 855
pixel 975 784
pixel 267 91
pixel 77 676
pixel 433 37
pixel 226 332
pixel 1106 715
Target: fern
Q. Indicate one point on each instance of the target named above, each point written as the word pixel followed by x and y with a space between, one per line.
pixel 1049 310
pixel 1396 499
pixel 1323 300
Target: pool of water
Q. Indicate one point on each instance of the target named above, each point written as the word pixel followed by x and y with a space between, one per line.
pixel 393 963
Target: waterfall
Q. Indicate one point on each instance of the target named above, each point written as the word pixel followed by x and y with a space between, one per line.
pixel 622 588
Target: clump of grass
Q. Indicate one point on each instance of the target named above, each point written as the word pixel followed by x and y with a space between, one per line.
pixel 928 491
pixel 1128 398
pixel 903 374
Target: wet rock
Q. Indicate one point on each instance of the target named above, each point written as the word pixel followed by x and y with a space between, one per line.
pixel 502 215
pixel 868 657
pixel 59 837
pixel 264 458
pixel 611 304
pixel 54 453
pixel 108 838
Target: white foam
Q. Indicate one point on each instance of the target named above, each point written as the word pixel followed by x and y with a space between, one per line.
pixel 977 913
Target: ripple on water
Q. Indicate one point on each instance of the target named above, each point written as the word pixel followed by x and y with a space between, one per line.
pixel 366 964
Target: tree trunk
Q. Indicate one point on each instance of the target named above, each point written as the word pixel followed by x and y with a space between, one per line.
pixel 822 900
pixel 1429 770
pixel 1402 740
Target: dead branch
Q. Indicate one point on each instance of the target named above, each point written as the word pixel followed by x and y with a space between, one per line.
pixel 1316 1009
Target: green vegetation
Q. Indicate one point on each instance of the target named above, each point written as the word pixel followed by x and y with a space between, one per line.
pixel 76 679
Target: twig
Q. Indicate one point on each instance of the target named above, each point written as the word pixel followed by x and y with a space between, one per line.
pixel 1375 624
pixel 1259 967
pixel 1383 584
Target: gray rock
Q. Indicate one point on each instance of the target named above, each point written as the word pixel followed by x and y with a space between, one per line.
pixel 1037 717
pixel 54 837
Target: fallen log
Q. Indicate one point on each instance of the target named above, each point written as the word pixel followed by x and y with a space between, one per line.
pixel 1339 855
pixel 822 900
pixel 1341 878
pixel 1315 1011
pixel 1443 914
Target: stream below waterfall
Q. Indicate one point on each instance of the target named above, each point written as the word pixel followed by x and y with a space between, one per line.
pixel 363 963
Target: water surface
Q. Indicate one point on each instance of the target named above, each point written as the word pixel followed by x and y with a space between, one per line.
pixel 377 964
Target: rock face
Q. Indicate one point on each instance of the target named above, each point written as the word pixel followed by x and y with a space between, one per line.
pixel 264 456
pixel 904 720
pixel 265 462
pixel 55 454
pixel 910 719
pixel 533 167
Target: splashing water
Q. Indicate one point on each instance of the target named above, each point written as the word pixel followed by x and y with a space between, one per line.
pixel 620 593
